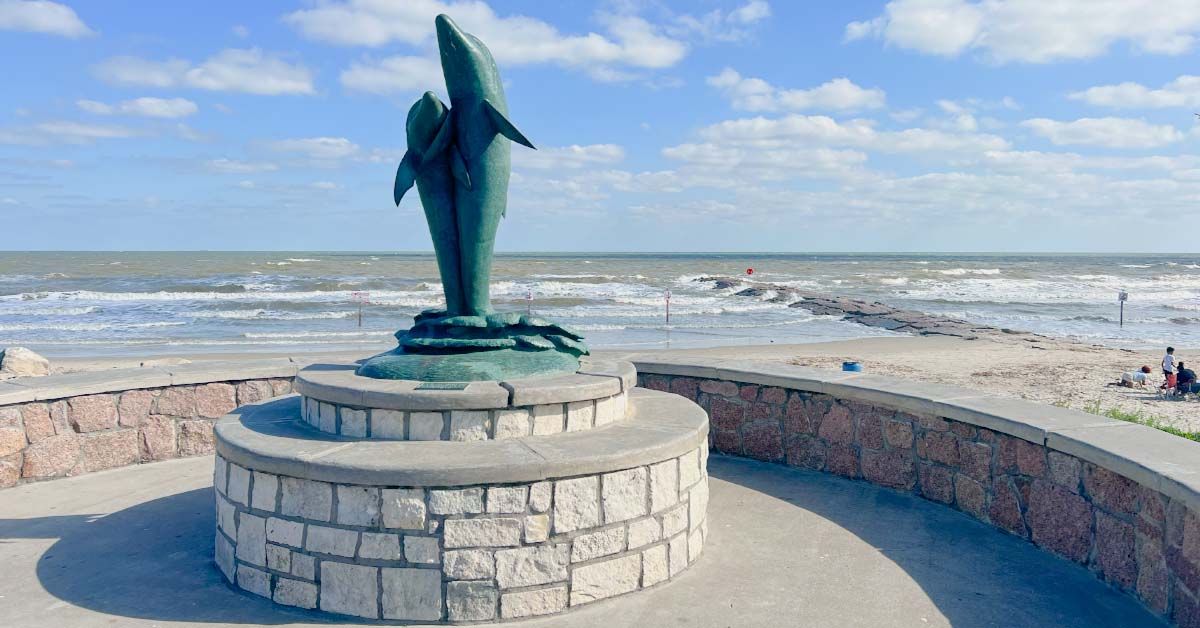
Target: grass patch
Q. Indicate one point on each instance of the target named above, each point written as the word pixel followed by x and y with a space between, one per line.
pixel 1140 418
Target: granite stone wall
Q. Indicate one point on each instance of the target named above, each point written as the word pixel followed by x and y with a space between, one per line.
pixel 72 435
pixel 1133 537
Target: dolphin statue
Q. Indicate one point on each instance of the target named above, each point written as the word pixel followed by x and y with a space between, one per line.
pixel 427 163
pixel 479 156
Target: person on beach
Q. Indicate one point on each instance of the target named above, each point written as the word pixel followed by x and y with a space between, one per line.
pixel 1168 369
pixel 1185 380
pixel 1138 378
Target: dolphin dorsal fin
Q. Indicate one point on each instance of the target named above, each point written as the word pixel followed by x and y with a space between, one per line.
pixel 406 174
pixel 503 126
pixel 459 167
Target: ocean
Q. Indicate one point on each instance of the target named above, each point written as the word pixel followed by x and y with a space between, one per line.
pixel 81 304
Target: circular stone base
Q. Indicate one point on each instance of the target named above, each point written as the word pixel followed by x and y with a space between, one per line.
pixel 494 365
pixel 451 532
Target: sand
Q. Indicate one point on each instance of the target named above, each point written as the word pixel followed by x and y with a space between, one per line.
pixel 1063 373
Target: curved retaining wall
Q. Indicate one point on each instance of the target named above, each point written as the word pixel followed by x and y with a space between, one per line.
pixel 67 425
pixel 1120 499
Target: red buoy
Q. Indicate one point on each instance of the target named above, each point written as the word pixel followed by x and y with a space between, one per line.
pixel 749 271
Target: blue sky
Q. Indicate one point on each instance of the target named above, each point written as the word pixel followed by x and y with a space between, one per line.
pixel 927 125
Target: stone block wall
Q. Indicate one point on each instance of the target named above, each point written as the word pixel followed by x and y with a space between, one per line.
pixel 70 436
pixel 463 553
pixel 1138 539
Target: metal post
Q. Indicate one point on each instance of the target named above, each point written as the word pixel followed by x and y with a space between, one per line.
pixel 668 307
pixel 529 302
pixel 1122 297
pixel 360 313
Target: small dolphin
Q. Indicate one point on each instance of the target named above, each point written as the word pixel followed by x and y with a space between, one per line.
pixel 479 160
pixel 427 162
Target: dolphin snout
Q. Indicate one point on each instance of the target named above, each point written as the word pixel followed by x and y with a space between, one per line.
pixel 448 33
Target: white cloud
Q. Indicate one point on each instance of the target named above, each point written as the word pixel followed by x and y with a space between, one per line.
pixel 149 107
pixel 322 148
pixel 1108 132
pixel 233 166
pixel 324 185
pixel 232 70
pixel 574 156
pixel 753 94
pixel 39 16
pixel 393 74
pixel 62 132
pixel 860 134
pixel 717 25
pixel 630 41
pixel 1181 92
pixel 1034 31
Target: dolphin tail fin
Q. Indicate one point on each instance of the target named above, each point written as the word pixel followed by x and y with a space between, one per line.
pixel 406 175
pixel 459 167
pixel 504 127
pixel 444 137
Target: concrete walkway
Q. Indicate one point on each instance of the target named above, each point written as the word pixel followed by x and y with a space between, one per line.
pixel 132 547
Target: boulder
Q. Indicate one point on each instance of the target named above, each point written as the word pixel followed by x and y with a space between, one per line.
pixel 21 362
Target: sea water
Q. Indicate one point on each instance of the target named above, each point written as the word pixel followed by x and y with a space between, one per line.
pixel 143 303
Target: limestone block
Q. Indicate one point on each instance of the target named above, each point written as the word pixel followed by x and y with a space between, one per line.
pixel 624 494
pixel 689 469
pixel 576 504
pixel 285 532
pixel 605 579
pixel 304 566
pixel 539 496
pixel 21 362
pixel 529 566
pixel 379 546
pixel 506 499
pixel 644 532
pixel 537 528
pixel 239 485
pixel 425 425
pixel 358 506
pixel 532 603
pixel 92 413
pixel 422 550
pixel 108 450
pixel 697 505
pixel 335 541
pixel 469 564
pixel 224 557
pixel 195 437
pixel 496 532
pixel 349 589
pixel 512 423
pixel 215 400
pixel 469 425
pixel 177 401
pixel 580 415
pixel 677 550
pixel 387 424
pixel 279 558
pixel 404 508
pixel 654 565
pixel 306 499
pixel 133 406
pixel 252 539
pixel 354 423
pixel 220 474
pixel 548 419
pixel 226 514
pixel 51 457
pixel 412 594
pixel 695 544
pixel 295 593
pixel 606 411
pixel 470 601
pixel 456 501
pixel 254 580
pixel 266 487
pixel 597 544
pixel 327 417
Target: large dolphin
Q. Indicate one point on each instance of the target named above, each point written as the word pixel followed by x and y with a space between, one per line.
pixel 427 163
pixel 479 159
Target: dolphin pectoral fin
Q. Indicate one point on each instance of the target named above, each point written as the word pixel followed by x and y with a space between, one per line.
pixel 504 127
pixel 444 137
pixel 406 175
pixel 459 167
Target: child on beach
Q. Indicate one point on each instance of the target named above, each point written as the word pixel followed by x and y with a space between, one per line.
pixel 1168 368
pixel 1131 378
pixel 1186 381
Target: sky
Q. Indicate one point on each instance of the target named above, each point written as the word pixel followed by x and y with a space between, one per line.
pixel 710 125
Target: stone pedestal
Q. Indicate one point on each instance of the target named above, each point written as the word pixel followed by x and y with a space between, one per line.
pixel 501 500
